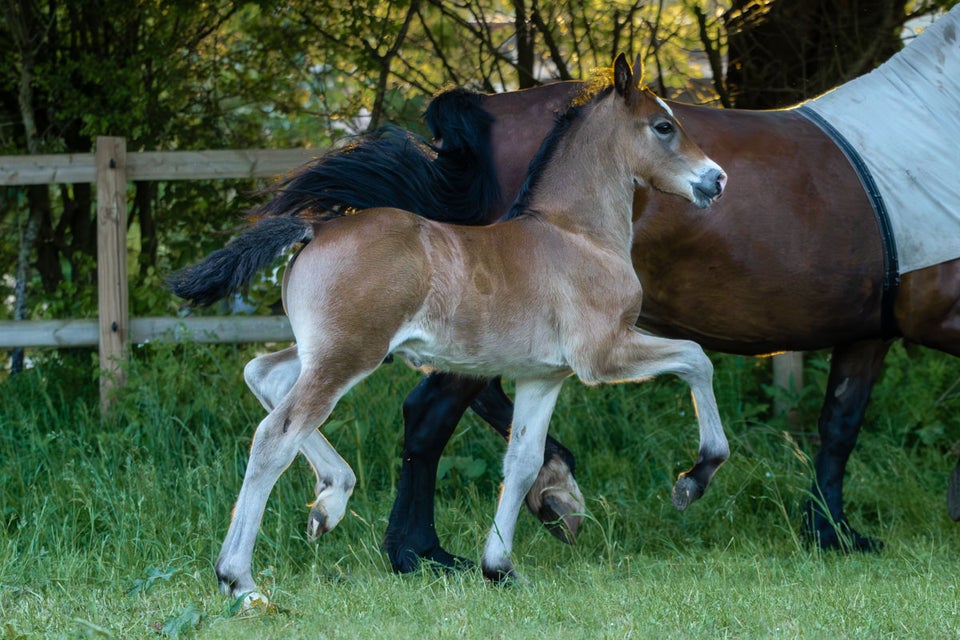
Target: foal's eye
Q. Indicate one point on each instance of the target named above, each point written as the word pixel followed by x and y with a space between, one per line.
pixel 663 128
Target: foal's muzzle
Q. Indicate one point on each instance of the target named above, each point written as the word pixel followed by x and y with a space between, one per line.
pixel 709 187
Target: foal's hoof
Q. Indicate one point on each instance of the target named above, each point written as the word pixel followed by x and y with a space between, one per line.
pixel 254 600
pixel 234 583
pixel 685 491
pixel 504 575
pixel 317 524
pixel 323 519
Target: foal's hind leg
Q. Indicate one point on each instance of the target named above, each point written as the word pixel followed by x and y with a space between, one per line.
pixel 270 377
pixel 335 483
pixel 276 442
pixel 636 356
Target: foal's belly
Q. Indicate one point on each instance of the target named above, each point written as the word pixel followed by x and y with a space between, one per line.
pixel 482 355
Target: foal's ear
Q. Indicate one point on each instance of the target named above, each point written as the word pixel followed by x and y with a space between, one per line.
pixel 638 70
pixel 622 76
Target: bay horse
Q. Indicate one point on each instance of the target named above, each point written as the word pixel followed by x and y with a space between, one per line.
pixel 792 258
pixel 547 293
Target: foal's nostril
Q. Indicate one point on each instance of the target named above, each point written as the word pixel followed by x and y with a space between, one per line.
pixel 721 183
pixel 712 184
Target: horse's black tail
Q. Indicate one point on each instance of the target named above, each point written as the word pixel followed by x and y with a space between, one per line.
pixel 458 120
pixel 229 270
pixel 391 167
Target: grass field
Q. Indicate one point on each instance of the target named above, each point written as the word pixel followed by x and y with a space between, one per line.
pixel 111 530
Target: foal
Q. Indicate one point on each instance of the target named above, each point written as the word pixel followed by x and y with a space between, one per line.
pixel 547 293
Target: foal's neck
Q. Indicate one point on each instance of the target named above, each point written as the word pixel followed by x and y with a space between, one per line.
pixel 587 186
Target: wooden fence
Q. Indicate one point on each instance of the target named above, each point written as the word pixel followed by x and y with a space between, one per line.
pixel 110 168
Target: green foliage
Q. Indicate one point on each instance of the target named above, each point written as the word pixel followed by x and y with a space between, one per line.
pixel 917 400
pixel 255 74
pixel 182 75
pixel 110 528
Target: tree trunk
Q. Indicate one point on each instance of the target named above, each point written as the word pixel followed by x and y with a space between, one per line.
pixel 524 42
pixel 782 52
pixel 17 16
pixel 143 209
pixel 27 238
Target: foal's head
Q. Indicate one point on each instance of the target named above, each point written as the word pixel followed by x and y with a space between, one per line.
pixel 663 157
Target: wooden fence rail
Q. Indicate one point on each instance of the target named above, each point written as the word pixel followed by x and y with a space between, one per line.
pixel 110 168
pixel 86 332
pixel 71 168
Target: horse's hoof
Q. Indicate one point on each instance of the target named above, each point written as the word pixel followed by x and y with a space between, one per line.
pixel 442 560
pixel 953 494
pixel 846 540
pixel 839 536
pixel 409 560
pixel 685 491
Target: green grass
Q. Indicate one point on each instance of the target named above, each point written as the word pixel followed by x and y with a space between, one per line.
pixel 111 530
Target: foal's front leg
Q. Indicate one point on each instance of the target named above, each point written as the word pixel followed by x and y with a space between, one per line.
pixel 533 406
pixel 555 497
pixel 636 356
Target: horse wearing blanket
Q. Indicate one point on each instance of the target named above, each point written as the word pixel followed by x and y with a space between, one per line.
pixel 841 231
pixel 547 293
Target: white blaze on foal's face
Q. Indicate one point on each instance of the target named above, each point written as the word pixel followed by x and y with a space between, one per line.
pixel 677 165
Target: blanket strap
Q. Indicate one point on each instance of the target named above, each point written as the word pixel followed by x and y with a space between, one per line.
pixel 891 266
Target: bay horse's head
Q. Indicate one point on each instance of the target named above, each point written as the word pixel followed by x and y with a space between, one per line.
pixel 664 157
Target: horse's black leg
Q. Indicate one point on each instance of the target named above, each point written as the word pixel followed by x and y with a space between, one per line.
pixel 430 414
pixel 853 371
pixel 555 497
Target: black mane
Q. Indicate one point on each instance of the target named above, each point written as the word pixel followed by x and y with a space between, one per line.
pixel 564 122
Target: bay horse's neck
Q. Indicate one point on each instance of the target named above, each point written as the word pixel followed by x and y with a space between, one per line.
pixel 586 186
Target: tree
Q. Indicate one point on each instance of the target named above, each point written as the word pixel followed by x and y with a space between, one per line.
pixel 782 52
pixel 158 73
pixel 182 75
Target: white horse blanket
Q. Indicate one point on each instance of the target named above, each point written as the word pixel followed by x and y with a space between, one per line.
pixel 904 120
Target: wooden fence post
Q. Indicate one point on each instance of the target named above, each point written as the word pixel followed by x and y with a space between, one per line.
pixel 111 161
pixel 787 374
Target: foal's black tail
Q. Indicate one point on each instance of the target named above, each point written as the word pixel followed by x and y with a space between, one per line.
pixel 453 182
pixel 229 270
